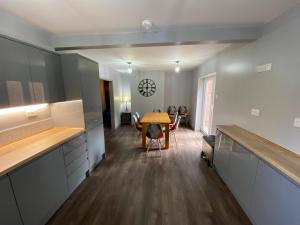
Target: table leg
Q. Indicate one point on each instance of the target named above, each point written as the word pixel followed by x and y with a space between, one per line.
pixel 144 132
pixel 167 136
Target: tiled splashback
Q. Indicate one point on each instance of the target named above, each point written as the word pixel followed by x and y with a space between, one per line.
pixel 14 123
pixel 68 114
pixel 17 123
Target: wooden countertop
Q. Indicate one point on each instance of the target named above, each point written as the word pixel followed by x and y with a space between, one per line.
pixel 156 117
pixel 18 153
pixel 284 160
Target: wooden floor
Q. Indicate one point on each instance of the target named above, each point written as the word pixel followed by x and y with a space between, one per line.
pixel 133 188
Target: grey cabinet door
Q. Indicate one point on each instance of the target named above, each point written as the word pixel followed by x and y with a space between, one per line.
pixel 40 187
pixel 38 73
pixel 9 214
pixel 96 145
pixel 14 74
pixel 90 84
pixel 275 199
pixel 242 171
pixel 223 150
pixel 55 81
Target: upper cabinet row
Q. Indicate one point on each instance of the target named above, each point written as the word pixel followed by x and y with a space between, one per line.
pixel 28 75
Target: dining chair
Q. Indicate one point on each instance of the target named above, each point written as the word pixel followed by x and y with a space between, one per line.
pixel 137 125
pixel 174 127
pixel 138 116
pixel 154 133
pixel 156 110
pixel 183 112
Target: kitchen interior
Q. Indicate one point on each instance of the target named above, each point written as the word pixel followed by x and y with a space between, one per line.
pixel 71 94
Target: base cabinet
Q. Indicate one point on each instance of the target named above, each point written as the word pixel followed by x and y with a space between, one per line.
pixel 40 187
pixel 223 149
pixel 9 214
pixel 242 171
pixel 266 196
pixel 276 200
pixel 96 145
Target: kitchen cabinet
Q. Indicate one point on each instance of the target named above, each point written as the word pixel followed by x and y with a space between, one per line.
pixel 275 198
pixel 55 80
pixel 76 161
pixel 9 214
pixel 96 145
pixel 40 187
pixel 223 150
pixel 38 75
pixel 241 175
pixel 29 75
pixel 81 79
pixel 15 77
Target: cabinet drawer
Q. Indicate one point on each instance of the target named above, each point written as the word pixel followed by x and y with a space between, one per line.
pixel 74 143
pixel 73 166
pixel 75 154
pixel 77 176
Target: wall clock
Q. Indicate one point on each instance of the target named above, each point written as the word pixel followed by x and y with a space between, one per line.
pixel 147 87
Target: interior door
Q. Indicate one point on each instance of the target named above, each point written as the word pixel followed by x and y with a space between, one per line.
pixel 208 104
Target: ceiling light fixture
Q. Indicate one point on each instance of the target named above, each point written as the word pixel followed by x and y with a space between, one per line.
pixel 177 68
pixel 147 25
pixel 129 68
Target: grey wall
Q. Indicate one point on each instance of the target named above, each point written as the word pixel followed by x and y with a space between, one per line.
pixel 178 89
pixel 15 27
pixel 145 104
pixel 276 93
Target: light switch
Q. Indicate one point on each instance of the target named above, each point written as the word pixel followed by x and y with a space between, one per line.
pixel 255 112
pixel 297 122
pixel 264 68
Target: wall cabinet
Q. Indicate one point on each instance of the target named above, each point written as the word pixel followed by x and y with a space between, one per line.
pixel 29 75
pixel 40 187
pixel 275 199
pixel 15 78
pixel 9 214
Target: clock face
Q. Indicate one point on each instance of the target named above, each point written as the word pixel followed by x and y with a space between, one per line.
pixel 147 87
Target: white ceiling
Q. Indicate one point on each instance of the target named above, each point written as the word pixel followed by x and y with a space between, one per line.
pixel 160 58
pixel 113 16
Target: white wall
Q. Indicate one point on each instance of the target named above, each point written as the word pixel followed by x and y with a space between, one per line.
pixel 178 89
pixel 143 104
pixel 276 93
pixel 114 76
pixel 15 27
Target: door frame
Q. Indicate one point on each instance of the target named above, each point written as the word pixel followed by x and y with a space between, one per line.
pixel 203 78
pixel 111 100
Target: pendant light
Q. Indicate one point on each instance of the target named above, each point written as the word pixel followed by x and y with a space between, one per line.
pixel 129 70
pixel 177 68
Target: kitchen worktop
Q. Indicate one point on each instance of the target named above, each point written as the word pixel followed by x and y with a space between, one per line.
pixel 284 160
pixel 18 153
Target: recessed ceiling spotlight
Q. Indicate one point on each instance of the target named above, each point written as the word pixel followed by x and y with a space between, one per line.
pixel 177 68
pixel 129 70
pixel 147 25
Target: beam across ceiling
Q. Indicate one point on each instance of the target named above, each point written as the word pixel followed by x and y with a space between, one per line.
pixel 180 36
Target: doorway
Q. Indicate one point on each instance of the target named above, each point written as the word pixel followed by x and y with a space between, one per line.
pixel 208 104
pixel 106 101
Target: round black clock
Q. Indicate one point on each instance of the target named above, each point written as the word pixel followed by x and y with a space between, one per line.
pixel 147 87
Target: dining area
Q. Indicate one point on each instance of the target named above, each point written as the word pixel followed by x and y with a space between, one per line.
pixel 157 129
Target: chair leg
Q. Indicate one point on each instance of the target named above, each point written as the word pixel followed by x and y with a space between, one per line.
pixel 159 146
pixel 149 144
pixel 175 137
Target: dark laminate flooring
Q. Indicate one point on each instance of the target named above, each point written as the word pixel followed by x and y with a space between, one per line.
pixel 133 188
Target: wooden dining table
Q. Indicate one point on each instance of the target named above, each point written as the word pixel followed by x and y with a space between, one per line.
pixel 156 118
